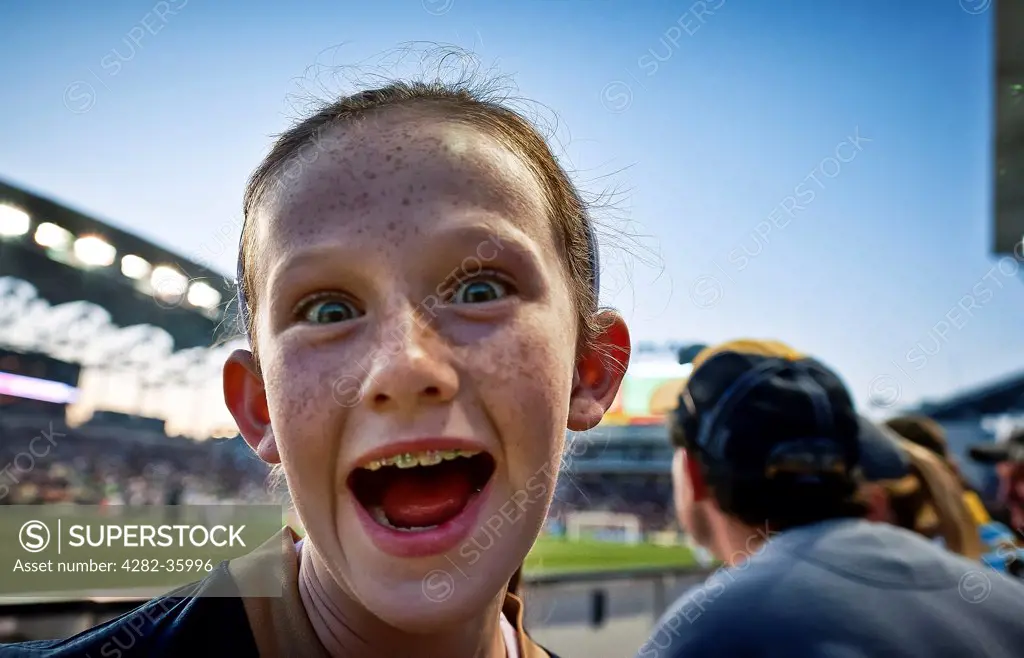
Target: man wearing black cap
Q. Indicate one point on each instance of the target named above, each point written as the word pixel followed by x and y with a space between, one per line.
pixel 768 450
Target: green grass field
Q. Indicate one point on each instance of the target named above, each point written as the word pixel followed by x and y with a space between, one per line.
pixel 558 555
pixel 553 555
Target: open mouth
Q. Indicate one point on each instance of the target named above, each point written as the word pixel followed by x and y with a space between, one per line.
pixel 419 491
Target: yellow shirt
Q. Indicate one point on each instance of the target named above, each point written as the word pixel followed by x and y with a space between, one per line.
pixel 976 508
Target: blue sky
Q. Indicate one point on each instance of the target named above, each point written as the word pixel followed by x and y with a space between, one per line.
pixel 706 124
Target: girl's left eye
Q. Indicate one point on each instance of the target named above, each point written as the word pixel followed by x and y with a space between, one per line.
pixel 328 310
pixel 480 290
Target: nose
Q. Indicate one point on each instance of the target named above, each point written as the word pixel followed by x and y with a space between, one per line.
pixel 413 368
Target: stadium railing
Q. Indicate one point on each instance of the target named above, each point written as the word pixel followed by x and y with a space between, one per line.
pixel 593 597
pixel 553 599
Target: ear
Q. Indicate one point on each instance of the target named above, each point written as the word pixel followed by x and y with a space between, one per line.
pixel 696 476
pixel 878 503
pixel 598 374
pixel 683 492
pixel 247 401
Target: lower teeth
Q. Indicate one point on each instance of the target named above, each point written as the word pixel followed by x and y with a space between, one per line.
pixel 380 517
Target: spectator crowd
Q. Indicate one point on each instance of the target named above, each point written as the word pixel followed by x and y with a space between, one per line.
pixel 42 461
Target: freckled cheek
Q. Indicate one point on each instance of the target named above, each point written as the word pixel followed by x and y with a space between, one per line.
pixel 303 392
pixel 524 385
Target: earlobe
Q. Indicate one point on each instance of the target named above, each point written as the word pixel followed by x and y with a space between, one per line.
pixel 246 399
pixel 599 372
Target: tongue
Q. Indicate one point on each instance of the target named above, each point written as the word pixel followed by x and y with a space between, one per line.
pixel 420 498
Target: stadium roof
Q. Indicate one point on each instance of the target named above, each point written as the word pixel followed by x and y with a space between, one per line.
pixel 1000 397
pixel 69 256
pixel 1009 128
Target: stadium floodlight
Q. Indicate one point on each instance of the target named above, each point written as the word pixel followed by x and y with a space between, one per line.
pixel 95 252
pixel 168 283
pixel 134 267
pixel 13 221
pixel 52 236
pixel 202 295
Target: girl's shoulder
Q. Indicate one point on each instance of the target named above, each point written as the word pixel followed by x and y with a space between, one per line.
pixel 198 620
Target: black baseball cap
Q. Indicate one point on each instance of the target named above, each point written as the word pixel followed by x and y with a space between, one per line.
pixel 760 410
pixel 881 456
pixel 1009 450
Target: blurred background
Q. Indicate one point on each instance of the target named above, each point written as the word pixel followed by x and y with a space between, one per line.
pixel 847 178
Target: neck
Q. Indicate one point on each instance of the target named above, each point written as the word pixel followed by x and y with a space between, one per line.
pixel 741 541
pixel 345 628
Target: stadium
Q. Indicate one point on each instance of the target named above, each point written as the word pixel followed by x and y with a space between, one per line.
pixel 84 305
pixel 103 334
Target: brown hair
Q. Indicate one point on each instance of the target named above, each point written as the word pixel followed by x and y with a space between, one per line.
pixel 923 431
pixel 928 434
pixel 458 102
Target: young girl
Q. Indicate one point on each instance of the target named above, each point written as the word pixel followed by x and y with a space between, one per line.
pixel 418 277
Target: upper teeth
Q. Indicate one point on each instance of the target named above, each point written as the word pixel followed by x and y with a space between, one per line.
pixel 427 458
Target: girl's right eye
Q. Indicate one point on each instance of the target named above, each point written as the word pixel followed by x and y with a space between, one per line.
pixel 328 311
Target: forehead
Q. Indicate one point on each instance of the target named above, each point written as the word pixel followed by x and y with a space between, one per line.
pixel 398 172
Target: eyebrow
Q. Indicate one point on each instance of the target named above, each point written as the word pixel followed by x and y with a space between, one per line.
pixel 487 243
pixel 483 242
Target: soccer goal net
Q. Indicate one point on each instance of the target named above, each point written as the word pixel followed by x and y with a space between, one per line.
pixel 605 526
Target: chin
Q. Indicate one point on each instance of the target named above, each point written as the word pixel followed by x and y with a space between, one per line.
pixel 437 600
pixel 427 594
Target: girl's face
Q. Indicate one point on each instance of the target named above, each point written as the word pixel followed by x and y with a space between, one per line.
pixel 418 348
